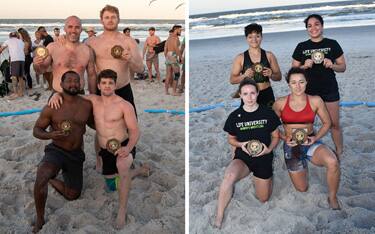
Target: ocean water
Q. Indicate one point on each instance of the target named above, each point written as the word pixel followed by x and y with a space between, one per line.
pixel 139 28
pixel 281 19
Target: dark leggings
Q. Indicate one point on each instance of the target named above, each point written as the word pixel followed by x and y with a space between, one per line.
pixel 28 62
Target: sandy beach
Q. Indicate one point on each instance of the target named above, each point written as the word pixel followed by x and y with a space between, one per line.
pixel 287 211
pixel 156 204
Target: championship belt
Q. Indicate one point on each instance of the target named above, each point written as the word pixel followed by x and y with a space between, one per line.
pixel 66 127
pixel 254 147
pixel 41 51
pixel 317 57
pixel 113 145
pixel 299 135
pixel 116 51
pixel 257 67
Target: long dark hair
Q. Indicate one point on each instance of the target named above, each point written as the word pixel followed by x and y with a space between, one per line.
pixel 25 38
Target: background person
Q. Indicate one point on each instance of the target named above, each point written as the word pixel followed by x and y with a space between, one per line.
pixel 28 58
pixel 17 63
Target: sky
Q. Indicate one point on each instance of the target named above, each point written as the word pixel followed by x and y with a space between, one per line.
pixel 89 9
pixel 208 6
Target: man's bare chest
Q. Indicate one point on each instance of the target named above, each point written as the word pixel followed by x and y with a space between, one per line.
pixel 77 115
pixel 76 60
pixel 108 114
pixel 103 48
pixel 152 41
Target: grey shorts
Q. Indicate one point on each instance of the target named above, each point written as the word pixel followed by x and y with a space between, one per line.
pixel 70 162
pixel 296 157
pixel 17 68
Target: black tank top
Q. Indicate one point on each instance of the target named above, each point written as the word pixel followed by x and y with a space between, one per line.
pixel 247 63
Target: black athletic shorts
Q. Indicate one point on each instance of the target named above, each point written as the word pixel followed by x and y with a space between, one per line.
pixel 17 68
pixel 330 97
pixel 109 159
pixel 266 97
pixel 261 167
pixel 70 162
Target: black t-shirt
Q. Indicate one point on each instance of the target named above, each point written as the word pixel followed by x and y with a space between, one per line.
pixel 257 125
pixel 48 39
pixel 320 79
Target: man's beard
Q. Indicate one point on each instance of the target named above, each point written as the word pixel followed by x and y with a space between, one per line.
pixel 110 28
pixel 71 93
pixel 72 38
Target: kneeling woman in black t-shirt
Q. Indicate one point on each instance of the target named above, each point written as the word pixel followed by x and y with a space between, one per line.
pixel 249 122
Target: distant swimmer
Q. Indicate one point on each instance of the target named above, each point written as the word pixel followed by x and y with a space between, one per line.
pixel 253 130
pixel 301 143
pixel 257 64
pixel 67 126
pixel 173 58
pixel 321 57
pixel 70 54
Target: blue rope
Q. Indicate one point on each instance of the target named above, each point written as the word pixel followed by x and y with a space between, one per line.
pixel 181 112
pixel 24 112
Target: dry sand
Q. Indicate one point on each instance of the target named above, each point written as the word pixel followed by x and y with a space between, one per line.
pixel 156 204
pixel 287 211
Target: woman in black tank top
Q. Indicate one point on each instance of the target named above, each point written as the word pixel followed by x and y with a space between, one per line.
pixel 257 64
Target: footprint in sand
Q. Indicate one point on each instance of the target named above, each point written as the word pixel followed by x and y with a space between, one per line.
pixel 153 156
pixel 364 219
pixel 154 226
pixel 365 136
pixel 55 203
pixel 25 150
pixel 145 211
pixel 194 177
pixel 29 208
pixel 165 180
pixel 17 142
pixel 6 131
pixel 155 197
pixel 29 125
pixel 362 200
pixel 7 155
pixel 367 146
pixel 82 220
pixel 169 199
pixel 210 167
